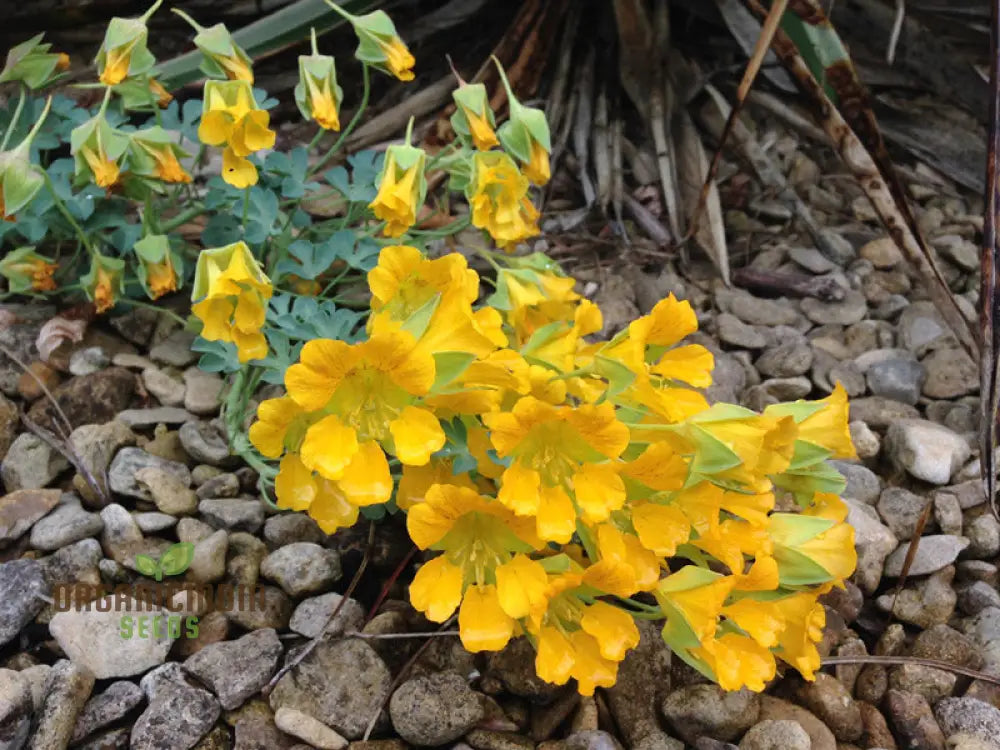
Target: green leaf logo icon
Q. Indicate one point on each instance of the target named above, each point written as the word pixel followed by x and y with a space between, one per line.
pixel 177 558
pixel 148 566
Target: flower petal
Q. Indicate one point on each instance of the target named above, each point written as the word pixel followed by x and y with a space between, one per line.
pixel 521 586
pixel 482 623
pixel 437 589
pixel 329 446
pixel 416 435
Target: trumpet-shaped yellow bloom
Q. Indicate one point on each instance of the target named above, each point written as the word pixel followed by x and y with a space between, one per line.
pixel 323 105
pixel 398 58
pixel 498 195
pixel 400 195
pixel 826 427
pixel 737 662
pixel 116 65
pixel 105 171
pixel 232 291
pixel 483 135
pixel 104 293
pixel 161 277
pixel 537 168
pixel 25 270
pixel 230 117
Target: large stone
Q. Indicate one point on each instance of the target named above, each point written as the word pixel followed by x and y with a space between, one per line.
pixel 232 514
pixel 434 709
pixel 10 421
pixel 237 670
pixel 66 691
pixel 709 711
pixel 873 541
pixel 897 379
pixel 933 553
pixel 105 708
pixel 178 715
pixel 168 489
pixel 16 709
pixel 313 614
pixel 22 586
pixel 204 443
pixel 643 681
pixel 343 684
pixel 950 374
pixel 311 731
pixel 66 525
pixel 88 399
pixel 122 475
pixel 913 721
pixel 968 716
pixel 776 709
pixel 925 450
pixel 31 463
pixel 20 510
pixel 302 568
pixel 827 697
pixel 94 446
pixel 776 734
pixel 97 641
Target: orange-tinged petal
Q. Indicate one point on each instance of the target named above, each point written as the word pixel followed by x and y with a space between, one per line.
pixel 322 365
pixel 660 528
pixel 599 491
pixel 555 658
pixel 537 169
pixel 416 435
pixel 331 510
pixel 294 485
pixel 520 489
pixel 521 586
pixel 590 669
pixel 613 629
pixel 556 520
pixel 482 623
pixel 329 446
pixel 437 589
pixel 367 480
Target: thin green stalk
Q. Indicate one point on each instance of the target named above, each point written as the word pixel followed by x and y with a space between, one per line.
pixel 246 208
pixel 366 82
pixel 181 218
pixel 446 231
pixel 156 308
pixel 80 234
pixel 14 120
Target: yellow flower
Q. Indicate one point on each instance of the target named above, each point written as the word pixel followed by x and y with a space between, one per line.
pixel 737 661
pixel 379 44
pixel 298 488
pixel 398 59
pixel 165 165
pixel 613 629
pixel 26 270
pixel 103 282
pixel 322 104
pixel 537 168
pixel 824 543
pixel 104 169
pixel 369 393
pixel 692 599
pixel 483 136
pixel 163 97
pixel 660 528
pixel 230 117
pixel 416 480
pixel 498 195
pixel 478 538
pixel 549 446
pixel 401 190
pixel 804 620
pixel 275 420
pixel 116 65
pixel 826 427
pixel 232 292
pixel 404 281
pixel 161 277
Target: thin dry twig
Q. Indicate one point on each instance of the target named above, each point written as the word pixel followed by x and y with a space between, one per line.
pixel 266 691
pixel 989 297
pixel 768 29
pixel 829 661
pixel 911 553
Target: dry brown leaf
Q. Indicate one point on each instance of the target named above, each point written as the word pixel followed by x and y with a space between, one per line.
pixel 69 326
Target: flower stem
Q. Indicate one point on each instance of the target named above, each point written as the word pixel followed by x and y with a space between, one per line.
pixel 181 218
pixel 80 234
pixel 194 24
pixel 246 209
pixel 14 120
pixel 343 13
pixel 152 9
pixel 366 82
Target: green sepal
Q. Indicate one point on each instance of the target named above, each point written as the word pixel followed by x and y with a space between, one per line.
pixel 556 564
pixel 31 63
pixel 214 261
pixel 132 34
pixel 416 325
pixel 712 456
pixel 677 632
pixel 473 97
pixel 215 42
pixel 371 28
pixel 87 135
pixel 320 68
pixel 795 529
pixel 407 157
pixel 448 366
pixel 797 569
pixel 17 281
pixel 526 124
pixel 722 413
pixel 807 481
pixel 21 180
pixel 141 161
pixel 808 454
pixel 797 410
pixel 153 249
pixel 619 376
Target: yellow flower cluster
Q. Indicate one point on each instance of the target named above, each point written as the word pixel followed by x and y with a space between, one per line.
pixel 567 486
